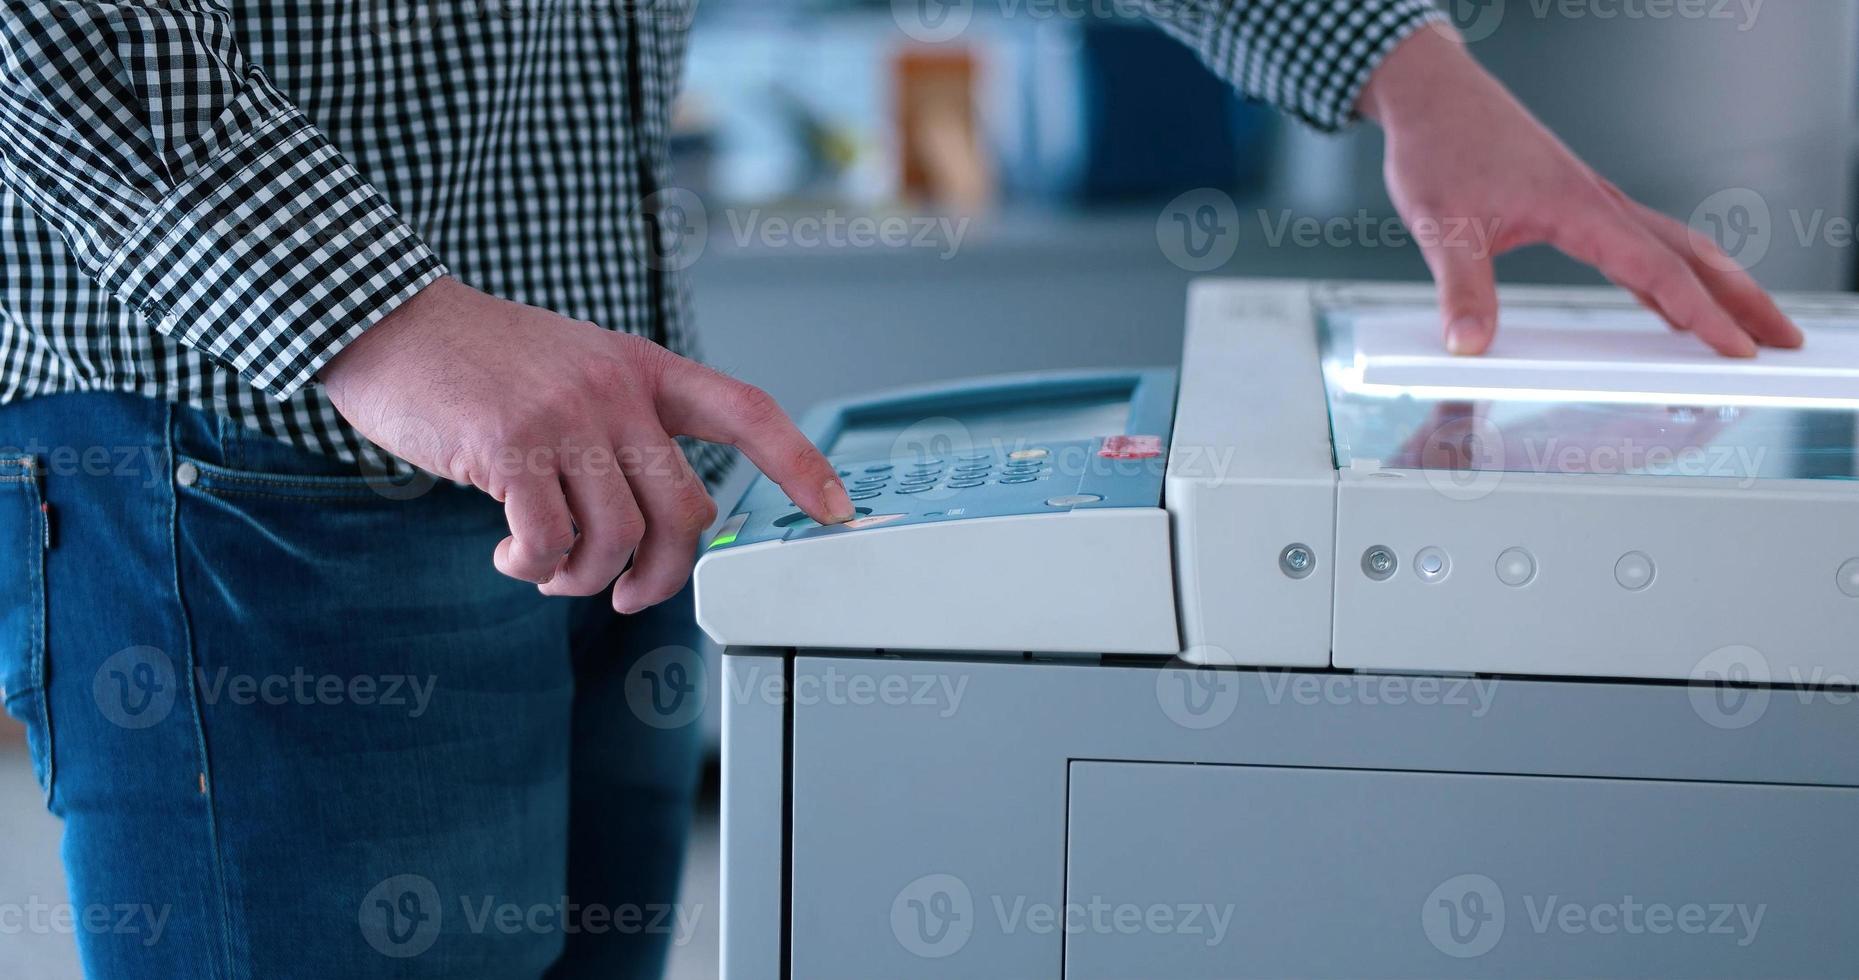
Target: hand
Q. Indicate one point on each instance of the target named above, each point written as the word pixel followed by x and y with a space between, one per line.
pixel 570 427
pixel 1464 156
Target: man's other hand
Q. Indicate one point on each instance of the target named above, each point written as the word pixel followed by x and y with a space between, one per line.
pixel 1463 152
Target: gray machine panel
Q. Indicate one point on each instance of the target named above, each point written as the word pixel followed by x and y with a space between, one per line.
pixel 932 792
pixel 1351 873
pixel 754 845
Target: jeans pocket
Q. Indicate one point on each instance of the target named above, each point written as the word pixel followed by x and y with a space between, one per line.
pixel 293 484
pixel 23 543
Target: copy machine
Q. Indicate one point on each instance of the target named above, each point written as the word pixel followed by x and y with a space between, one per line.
pixel 1329 656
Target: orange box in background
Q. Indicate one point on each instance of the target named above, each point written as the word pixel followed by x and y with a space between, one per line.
pixel 941 160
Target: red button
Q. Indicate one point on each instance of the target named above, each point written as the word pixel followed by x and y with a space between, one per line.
pixel 1131 447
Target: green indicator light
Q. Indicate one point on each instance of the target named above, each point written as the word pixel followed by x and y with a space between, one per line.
pixel 723 539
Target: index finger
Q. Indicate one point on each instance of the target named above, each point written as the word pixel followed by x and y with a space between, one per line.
pixel 694 400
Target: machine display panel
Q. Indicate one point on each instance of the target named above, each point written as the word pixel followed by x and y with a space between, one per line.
pixel 1611 391
pixel 887 433
pixel 995 447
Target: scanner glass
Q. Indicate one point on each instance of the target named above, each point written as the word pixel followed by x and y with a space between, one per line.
pixel 1601 391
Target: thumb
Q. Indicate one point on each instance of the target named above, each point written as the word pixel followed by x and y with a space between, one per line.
pixel 1468 298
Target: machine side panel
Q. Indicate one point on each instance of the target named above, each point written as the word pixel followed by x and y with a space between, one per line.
pixel 1251 478
pixel 1087 580
pixel 1680 578
pixel 754 886
pixel 931 795
pixel 1351 873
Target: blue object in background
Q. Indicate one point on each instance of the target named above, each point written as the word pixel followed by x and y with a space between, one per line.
pixel 1157 122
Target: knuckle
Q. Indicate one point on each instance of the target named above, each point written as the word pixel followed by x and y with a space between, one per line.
pixel 1668 276
pixel 464 464
pixel 628 532
pixel 1653 270
pixel 803 458
pixel 523 567
pixel 751 406
pixel 695 510
pixel 555 540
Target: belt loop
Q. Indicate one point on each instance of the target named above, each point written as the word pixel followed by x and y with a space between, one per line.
pixel 231 440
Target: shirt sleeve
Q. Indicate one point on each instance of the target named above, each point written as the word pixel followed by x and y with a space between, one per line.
pixel 1310 58
pixel 188 186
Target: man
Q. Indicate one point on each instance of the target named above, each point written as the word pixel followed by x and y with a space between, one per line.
pixel 243 241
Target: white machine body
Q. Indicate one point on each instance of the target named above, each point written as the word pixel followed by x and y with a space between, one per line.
pixel 1583 567
pixel 1598 497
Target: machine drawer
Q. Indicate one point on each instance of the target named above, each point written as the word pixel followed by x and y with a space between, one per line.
pixel 1199 871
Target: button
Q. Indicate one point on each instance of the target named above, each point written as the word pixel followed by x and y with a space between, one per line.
pixel 927 462
pixel 918 481
pixel 1029 454
pixel 965 484
pixel 983 468
pixel 1131 447
pixel 1432 564
pixel 975 457
pixel 864 494
pixel 1634 571
pixel 861 523
pixel 1516 568
pixel 798 518
pixel 866 481
pixel 916 487
pixel 879 468
pixel 932 474
pixel 1072 499
pixel 1849 578
pixel 187 474
pixel 1017 479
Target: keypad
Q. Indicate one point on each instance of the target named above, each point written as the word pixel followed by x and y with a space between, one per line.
pixel 965 471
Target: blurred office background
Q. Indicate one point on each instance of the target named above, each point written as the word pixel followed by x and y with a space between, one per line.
pixel 1086 127
pixel 884 193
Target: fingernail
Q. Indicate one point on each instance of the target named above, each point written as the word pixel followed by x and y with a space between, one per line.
pixel 1463 336
pixel 837 502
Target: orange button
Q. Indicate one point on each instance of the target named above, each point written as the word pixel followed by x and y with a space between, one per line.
pixel 1131 447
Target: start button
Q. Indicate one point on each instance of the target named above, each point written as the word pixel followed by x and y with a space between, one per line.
pixel 1849 578
pixel 1634 571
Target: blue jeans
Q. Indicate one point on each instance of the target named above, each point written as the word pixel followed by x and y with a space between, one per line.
pixel 296 727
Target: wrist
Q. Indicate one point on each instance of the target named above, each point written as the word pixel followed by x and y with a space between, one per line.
pixel 1422 74
pixel 389 333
